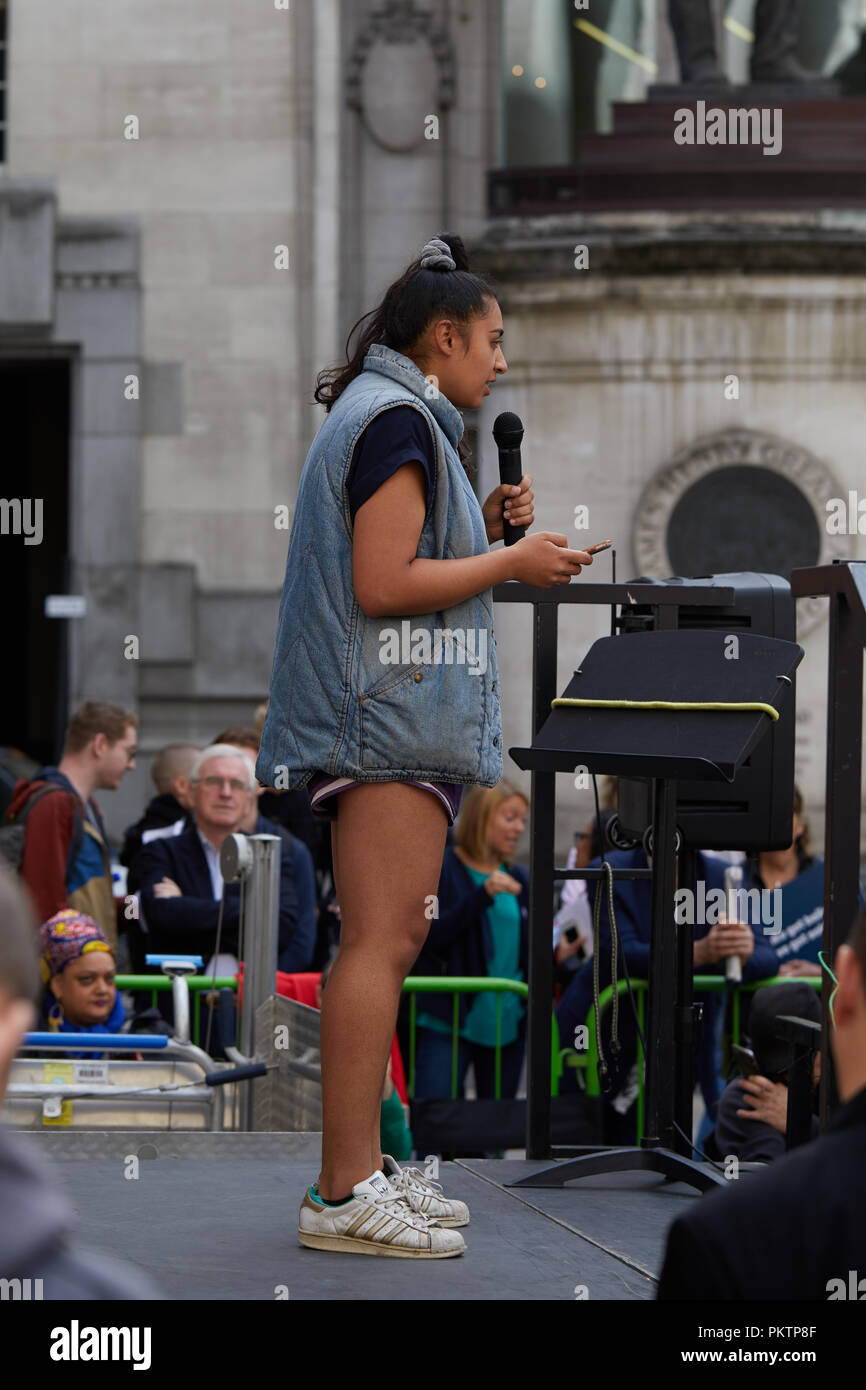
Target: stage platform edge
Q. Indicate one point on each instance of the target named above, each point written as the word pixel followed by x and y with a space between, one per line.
pixel 214 1216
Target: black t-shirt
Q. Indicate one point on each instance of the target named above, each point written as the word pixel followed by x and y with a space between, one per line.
pixel 396 436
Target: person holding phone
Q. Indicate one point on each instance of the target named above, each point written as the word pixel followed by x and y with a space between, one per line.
pixel 753 1108
pixel 389 543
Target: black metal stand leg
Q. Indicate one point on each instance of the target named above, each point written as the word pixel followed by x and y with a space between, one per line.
pixel 842 800
pixel 661 1053
pixel 671 1165
pixel 541 865
pixel 670 981
pixel 684 1085
pixel 538 1030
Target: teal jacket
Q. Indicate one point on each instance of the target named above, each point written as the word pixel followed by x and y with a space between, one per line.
pixel 380 699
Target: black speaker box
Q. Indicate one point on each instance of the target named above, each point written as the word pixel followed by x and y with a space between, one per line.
pixel 755 811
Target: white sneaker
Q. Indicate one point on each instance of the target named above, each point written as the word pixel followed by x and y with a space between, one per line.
pixel 377 1221
pixel 425 1196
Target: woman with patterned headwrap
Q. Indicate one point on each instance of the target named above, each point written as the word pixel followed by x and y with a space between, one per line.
pixel 78 967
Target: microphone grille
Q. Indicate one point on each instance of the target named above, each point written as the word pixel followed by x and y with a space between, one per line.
pixel 508 429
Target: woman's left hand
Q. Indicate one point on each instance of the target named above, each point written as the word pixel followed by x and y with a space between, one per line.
pixel 520 509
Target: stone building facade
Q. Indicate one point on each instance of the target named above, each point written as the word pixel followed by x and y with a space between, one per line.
pixel 196 204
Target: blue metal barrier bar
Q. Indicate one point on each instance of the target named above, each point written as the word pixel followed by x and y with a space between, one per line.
pixel 197 961
pixel 98 1042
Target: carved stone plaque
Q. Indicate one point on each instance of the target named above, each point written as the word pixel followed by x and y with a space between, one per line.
pixel 402 69
pixel 740 500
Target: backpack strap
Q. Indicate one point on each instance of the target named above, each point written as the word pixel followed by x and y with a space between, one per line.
pixel 78 822
pixel 77 835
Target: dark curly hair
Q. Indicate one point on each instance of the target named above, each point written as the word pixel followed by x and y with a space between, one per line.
pixel 410 304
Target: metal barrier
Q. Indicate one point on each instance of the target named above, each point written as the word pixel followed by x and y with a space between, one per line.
pixel 588 1061
pixel 198 985
pixel 457 985
pixel 171 1074
pixel 109 1091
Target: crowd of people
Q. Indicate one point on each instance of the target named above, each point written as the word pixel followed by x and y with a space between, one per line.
pixel 479 926
pixel 177 902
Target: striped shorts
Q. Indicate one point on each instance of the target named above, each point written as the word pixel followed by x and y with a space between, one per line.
pixel 324 789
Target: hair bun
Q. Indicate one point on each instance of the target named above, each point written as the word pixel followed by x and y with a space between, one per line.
pixel 437 256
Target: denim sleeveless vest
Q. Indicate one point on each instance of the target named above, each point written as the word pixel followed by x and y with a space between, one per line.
pixel 380 699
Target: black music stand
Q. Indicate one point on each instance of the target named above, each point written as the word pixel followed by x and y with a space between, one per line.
pixel 666 745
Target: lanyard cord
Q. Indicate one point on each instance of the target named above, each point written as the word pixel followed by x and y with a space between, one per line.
pixel 217 951
pixel 614 948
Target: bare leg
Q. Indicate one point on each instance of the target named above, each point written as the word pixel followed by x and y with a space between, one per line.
pixel 375 1136
pixel 390 841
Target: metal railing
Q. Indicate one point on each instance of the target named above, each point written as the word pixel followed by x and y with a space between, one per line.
pixel 197 984
pixel 587 1060
pixel 459 985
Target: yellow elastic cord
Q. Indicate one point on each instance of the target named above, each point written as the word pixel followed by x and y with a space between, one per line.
pixel 757 705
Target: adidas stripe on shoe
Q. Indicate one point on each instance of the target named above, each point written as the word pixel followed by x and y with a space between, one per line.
pixel 377 1221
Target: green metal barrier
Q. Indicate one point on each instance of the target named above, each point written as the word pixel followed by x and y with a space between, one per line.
pixel 588 1061
pixel 457 985
pixel 415 984
pixel 152 984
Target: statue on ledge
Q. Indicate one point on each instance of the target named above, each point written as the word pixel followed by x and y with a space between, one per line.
pixel 777 27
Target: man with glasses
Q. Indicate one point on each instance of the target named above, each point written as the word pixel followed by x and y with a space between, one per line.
pixel 181 883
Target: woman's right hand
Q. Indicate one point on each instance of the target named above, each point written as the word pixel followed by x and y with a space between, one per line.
pixel 544 559
pixel 500 882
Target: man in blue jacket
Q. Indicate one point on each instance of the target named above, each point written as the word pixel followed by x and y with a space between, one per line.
pixel 181 882
pixel 713 943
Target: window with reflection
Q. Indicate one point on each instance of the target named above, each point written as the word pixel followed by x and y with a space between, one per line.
pixel 565 65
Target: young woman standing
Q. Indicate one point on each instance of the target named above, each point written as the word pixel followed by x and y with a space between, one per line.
pixel 388 536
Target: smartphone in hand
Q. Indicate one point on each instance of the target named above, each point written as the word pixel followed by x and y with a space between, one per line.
pixel 745 1060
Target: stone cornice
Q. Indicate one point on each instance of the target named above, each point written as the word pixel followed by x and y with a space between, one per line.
pixel 518 249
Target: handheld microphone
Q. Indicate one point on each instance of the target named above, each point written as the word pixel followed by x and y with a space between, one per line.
pixel 733 880
pixel 508 433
